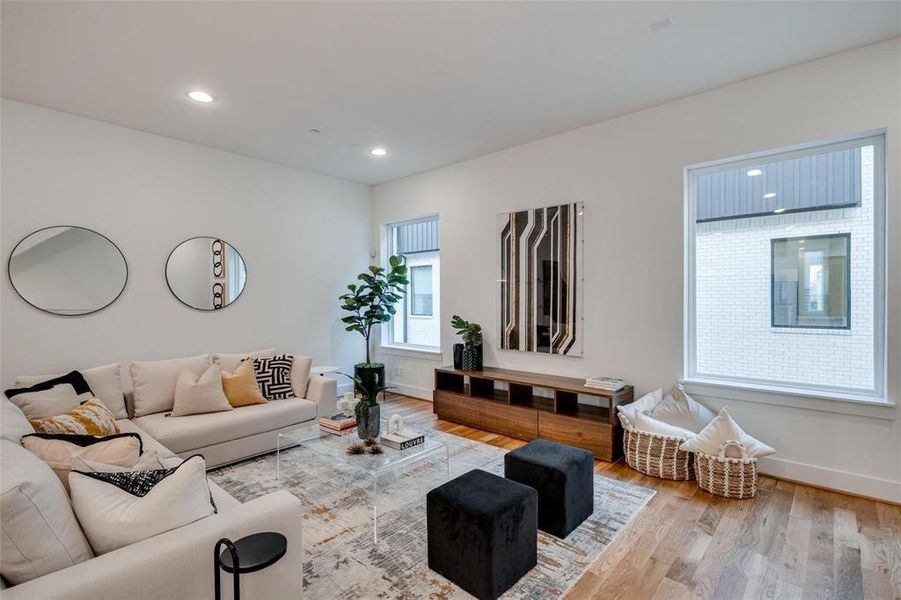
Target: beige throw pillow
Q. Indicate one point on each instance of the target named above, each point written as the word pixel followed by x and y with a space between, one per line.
pixel 59 399
pixel 154 381
pixel 645 424
pixel 724 429
pixel 149 461
pixel 300 375
pixel 91 418
pixel 60 451
pixel 681 410
pixel 195 395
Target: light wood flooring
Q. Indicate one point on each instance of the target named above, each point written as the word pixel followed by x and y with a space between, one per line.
pixel 791 541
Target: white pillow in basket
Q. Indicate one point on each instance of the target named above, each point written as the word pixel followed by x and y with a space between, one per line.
pixel 644 404
pixel 681 410
pixel 723 429
pixel 645 424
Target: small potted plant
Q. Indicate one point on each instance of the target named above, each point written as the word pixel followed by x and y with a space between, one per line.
pixel 468 355
pixel 371 302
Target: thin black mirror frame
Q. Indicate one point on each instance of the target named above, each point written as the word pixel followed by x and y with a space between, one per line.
pixel 9 274
pixel 211 238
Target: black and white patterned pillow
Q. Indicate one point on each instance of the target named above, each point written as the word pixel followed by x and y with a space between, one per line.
pixel 274 376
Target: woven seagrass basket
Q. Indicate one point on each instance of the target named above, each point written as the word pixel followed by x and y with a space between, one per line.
pixel 657 455
pixel 727 477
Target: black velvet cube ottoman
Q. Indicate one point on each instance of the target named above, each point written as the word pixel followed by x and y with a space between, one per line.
pixel 482 532
pixel 564 478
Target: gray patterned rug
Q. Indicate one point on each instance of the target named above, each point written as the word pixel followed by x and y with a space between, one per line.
pixel 341 560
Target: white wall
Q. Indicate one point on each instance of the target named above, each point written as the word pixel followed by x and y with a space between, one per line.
pixel 147 194
pixel 628 171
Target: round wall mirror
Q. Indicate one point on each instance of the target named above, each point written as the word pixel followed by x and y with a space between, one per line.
pixel 206 273
pixel 67 270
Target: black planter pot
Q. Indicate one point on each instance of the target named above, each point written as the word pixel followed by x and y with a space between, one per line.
pixel 471 359
pixel 373 377
pixel 458 356
pixel 368 421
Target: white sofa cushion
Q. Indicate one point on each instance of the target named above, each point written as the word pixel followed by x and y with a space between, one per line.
pixel 105 382
pixel 13 423
pixel 39 533
pixel 223 500
pixel 154 381
pixel 194 432
pixel 197 395
pixel 59 451
pixel 230 362
pixel 118 509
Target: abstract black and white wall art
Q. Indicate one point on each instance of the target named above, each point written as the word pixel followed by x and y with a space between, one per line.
pixel 540 280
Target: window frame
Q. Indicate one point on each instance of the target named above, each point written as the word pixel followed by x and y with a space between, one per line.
pixel 773 241
pixel 787 393
pixel 386 335
pixel 413 312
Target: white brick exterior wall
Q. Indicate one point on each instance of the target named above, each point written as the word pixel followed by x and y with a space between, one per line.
pixel 423 330
pixel 732 273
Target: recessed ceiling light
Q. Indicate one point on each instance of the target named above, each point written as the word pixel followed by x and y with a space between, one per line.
pixel 770 195
pixel 378 151
pixel 315 131
pixel 754 173
pixel 200 96
pixel 802 241
pixel 779 211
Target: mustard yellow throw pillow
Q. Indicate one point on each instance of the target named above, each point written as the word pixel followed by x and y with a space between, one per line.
pixel 241 387
pixel 91 418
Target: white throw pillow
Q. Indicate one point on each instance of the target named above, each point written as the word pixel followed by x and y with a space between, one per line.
pixel 723 429
pixel 681 410
pixel 644 404
pixel 149 461
pixel 13 423
pixel 300 375
pixel 155 380
pixel 58 400
pixel 118 509
pixel 39 533
pixel 646 424
pixel 105 382
pixel 196 395
pixel 230 362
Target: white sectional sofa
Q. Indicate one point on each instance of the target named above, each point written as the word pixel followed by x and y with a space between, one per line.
pixel 177 564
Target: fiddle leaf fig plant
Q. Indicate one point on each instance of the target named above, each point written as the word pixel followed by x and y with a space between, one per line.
pixel 372 301
pixel 471 333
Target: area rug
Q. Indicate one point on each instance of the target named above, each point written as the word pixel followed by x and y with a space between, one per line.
pixel 342 562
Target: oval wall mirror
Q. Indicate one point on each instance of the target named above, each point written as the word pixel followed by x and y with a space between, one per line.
pixel 67 270
pixel 206 273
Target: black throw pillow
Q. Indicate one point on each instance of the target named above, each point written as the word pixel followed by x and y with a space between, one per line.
pixel 75 379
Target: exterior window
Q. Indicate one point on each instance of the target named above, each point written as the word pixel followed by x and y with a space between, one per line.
pixel 810 278
pixel 417 321
pixel 421 291
pixel 785 270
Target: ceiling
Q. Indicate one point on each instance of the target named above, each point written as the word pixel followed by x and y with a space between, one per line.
pixel 435 83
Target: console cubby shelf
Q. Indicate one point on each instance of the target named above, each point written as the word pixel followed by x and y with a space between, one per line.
pixel 474 398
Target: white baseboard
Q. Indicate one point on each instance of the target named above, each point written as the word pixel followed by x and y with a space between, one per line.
pixel 853 483
pixel 410 390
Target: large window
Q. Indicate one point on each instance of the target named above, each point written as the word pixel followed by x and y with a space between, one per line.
pixel 417 322
pixel 785 270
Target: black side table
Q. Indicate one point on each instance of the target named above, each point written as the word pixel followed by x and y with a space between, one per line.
pixel 252 553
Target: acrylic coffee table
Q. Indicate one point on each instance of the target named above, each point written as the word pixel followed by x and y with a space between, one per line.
pixel 368 468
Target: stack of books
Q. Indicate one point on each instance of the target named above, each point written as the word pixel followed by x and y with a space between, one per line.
pixel 610 384
pixel 338 424
pixel 402 440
